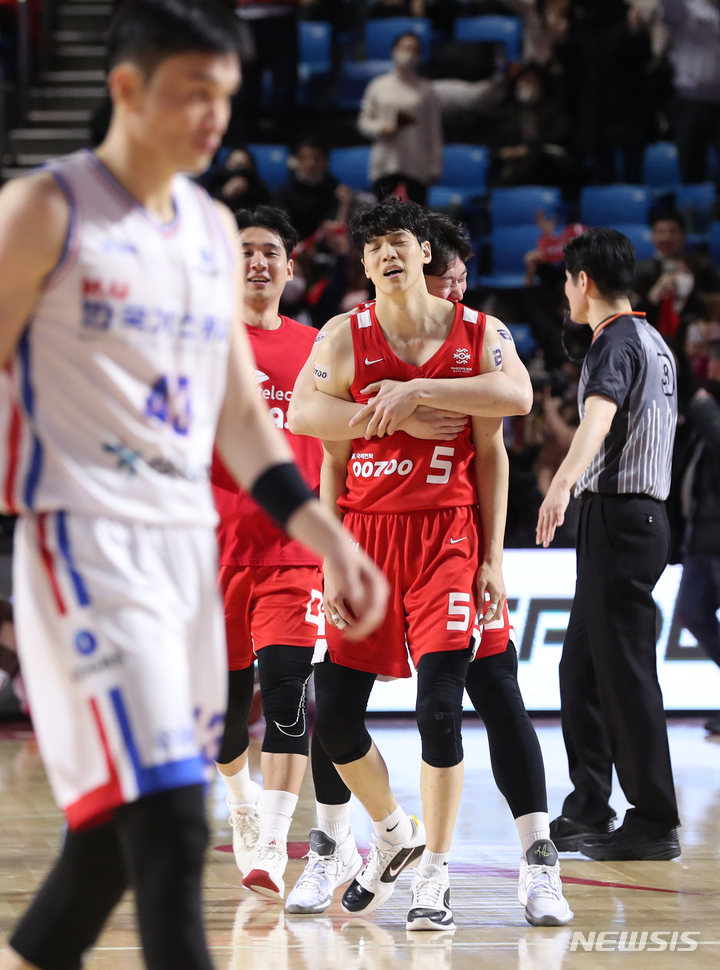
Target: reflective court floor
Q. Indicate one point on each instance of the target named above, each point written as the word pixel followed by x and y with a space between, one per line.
pixel 627 902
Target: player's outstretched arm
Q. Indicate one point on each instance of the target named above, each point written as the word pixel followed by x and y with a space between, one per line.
pixel 599 414
pixel 491 472
pixel 502 389
pixel 34 219
pixel 314 412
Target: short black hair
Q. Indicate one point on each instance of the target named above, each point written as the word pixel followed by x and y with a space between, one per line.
pixel 381 218
pixel 403 35
pixel 271 218
pixel 311 142
pixel 147 32
pixel 668 215
pixel 608 258
pixel 448 241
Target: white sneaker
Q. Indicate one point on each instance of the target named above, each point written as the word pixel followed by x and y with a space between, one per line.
pixel 246 823
pixel 539 887
pixel 269 862
pixel 329 865
pixel 376 882
pixel 430 907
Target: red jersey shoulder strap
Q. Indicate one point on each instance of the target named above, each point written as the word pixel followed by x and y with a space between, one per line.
pixel 474 322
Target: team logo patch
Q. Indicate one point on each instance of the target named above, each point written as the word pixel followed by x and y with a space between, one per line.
pixel 462 355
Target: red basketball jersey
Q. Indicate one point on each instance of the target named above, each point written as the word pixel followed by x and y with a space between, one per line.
pixel 399 473
pixel 247 535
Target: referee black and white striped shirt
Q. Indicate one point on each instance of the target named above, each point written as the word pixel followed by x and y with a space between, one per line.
pixel 629 363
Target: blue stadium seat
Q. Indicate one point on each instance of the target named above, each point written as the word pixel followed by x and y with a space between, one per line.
pixel 315 46
pixel 501 30
pixel 525 343
pixel 380 35
pixel 509 246
pixel 605 205
pixel 447 197
pixel 640 235
pixel 700 197
pixel 518 206
pixel 465 167
pixel 351 165
pixel 661 167
pixel 715 242
pixel 354 78
pixel 271 163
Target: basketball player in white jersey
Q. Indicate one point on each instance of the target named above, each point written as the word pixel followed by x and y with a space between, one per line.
pixel 118 320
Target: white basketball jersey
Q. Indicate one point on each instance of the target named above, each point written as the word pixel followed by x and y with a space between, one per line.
pixel 111 404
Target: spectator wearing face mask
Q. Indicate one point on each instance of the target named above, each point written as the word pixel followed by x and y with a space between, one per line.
pixel 236 182
pixel 532 135
pixel 311 194
pixel 401 115
pixel 670 286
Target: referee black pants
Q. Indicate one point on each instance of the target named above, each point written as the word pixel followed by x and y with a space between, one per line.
pixel 612 706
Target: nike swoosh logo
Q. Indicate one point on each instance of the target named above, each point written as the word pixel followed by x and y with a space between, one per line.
pixel 393 828
pixel 286 729
pixel 396 867
pixel 368 362
pixel 453 541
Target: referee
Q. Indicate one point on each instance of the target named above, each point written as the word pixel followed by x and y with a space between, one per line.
pixel 619 462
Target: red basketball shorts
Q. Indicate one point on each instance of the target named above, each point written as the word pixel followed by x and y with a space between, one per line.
pixel 270 604
pixel 431 561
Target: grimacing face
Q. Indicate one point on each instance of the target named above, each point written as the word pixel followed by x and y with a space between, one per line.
pixel 394 262
pixel 452 284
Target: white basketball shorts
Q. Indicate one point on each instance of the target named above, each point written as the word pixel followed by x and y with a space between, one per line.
pixel 122 647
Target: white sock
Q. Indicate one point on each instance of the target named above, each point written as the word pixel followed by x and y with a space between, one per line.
pixel 242 790
pixel 334 820
pixel 395 829
pixel 439 859
pixel 532 827
pixel 279 807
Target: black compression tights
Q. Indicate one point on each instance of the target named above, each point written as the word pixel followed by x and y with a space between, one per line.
pixel 342 696
pixel 515 755
pixel 156 846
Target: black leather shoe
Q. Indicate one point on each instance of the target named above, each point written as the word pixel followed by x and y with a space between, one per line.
pixel 713 724
pixel 567 833
pixel 627 846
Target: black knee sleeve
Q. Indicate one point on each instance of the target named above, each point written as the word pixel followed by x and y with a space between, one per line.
pixel 341 696
pixel 441 681
pixel 236 739
pixel 284 675
pixel 330 789
pixel 515 754
pixel 74 902
pixel 164 838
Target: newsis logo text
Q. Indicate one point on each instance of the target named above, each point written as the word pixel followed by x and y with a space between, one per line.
pixel 633 940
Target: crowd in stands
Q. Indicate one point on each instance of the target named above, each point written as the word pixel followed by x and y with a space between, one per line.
pixel 526 120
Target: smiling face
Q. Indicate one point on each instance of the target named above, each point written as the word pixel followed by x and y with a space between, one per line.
pixel 452 284
pixel 395 262
pixel 266 266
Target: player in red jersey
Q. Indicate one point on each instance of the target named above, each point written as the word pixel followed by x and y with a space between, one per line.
pixel 492 684
pixel 440 480
pixel 272 586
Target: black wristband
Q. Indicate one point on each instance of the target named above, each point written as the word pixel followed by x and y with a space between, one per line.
pixel 281 490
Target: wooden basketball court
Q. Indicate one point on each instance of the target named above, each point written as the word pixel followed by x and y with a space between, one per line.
pixel 627 902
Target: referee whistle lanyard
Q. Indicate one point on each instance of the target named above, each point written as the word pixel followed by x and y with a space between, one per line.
pixel 608 320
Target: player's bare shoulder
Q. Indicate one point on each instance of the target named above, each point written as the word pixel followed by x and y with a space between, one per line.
pixel 34 222
pixel 334 366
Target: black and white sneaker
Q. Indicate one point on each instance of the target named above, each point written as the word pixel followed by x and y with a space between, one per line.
pixel 376 882
pixel 430 909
